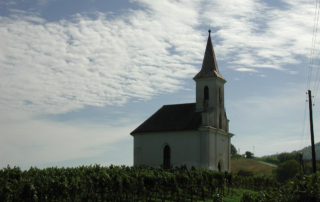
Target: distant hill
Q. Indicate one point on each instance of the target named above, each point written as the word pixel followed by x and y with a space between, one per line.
pixel 306 152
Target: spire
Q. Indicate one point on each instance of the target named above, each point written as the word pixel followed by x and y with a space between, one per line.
pixel 209 64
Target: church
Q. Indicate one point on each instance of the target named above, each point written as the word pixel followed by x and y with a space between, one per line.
pixel 193 134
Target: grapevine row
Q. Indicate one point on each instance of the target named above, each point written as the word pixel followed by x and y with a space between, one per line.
pixel 121 183
pixel 114 183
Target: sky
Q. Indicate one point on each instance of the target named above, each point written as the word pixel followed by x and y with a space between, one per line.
pixel 76 77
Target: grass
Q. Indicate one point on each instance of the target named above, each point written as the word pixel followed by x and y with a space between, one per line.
pixel 235 197
pixel 251 165
pixel 237 194
pixel 231 197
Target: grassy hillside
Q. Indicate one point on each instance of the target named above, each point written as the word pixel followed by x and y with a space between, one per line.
pixel 252 165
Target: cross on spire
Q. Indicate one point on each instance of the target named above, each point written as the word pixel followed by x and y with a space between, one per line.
pixel 209 64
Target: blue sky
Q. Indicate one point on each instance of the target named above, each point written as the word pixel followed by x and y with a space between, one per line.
pixel 78 76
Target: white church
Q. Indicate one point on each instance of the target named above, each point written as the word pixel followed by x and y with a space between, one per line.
pixel 192 134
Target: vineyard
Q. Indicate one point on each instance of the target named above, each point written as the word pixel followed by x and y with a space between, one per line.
pixel 121 183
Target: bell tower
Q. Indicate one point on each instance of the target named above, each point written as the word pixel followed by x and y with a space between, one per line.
pixel 210 91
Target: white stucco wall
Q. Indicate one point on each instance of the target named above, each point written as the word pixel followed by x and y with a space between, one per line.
pixel 184 145
pixel 203 148
pixel 215 148
pixel 223 151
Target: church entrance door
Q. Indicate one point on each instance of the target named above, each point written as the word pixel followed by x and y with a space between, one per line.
pixel 166 157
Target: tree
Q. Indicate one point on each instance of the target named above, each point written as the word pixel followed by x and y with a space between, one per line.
pixel 233 150
pixel 283 157
pixel 249 155
pixel 286 170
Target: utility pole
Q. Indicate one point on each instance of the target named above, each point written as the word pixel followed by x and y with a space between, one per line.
pixel 312 134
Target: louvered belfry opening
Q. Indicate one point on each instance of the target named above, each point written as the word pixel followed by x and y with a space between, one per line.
pixel 166 157
pixel 206 93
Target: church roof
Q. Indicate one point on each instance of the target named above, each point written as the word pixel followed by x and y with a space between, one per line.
pixel 172 118
pixel 209 64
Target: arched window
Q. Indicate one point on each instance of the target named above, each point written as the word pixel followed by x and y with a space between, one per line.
pixel 166 157
pixel 219 167
pixel 220 121
pixel 206 93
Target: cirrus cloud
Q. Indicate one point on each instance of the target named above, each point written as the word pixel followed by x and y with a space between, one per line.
pixel 57 67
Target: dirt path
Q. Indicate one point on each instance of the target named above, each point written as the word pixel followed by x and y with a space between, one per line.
pixel 269 164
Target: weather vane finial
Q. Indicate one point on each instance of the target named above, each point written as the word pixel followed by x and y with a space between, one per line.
pixel 209 29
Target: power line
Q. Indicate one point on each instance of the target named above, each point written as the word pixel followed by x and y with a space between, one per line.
pixel 317 77
pixel 313 43
pixel 316 86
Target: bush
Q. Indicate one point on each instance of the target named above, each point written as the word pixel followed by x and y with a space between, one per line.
pixel 283 157
pixel 245 173
pixel 233 150
pixel 286 170
pixel 247 197
pixel 308 169
pixel 217 197
pixel 272 160
pixel 249 155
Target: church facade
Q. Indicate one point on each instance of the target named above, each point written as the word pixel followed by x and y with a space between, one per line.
pixel 193 134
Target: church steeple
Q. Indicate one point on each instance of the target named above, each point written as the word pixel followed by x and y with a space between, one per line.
pixel 210 91
pixel 209 64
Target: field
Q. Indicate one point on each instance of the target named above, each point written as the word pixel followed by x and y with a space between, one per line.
pixel 252 165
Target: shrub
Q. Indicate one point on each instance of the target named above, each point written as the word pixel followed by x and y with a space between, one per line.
pixel 233 150
pixel 247 197
pixel 272 160
pixel 245 173
pixel 286 170
pixel 249 155
pixel 217 197
pixel 283 157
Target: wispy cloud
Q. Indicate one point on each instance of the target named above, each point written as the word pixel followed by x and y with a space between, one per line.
pixel 7 2
pixel 56 67
pixel 243 69
pixel 254 35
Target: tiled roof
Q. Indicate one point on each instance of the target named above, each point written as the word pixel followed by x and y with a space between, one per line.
pixel 172 118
